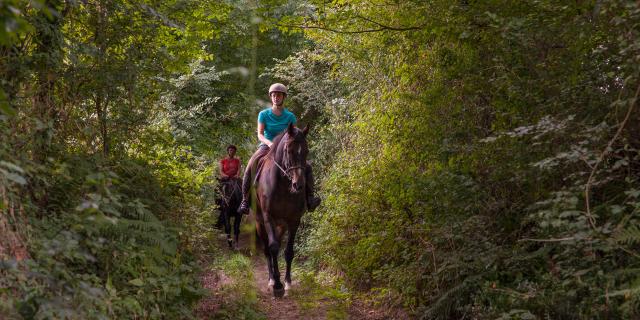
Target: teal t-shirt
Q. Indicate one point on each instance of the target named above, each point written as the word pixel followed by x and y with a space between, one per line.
pixel 273 124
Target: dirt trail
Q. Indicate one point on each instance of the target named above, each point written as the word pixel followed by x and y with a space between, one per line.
pixel 283 308
pixel 300 302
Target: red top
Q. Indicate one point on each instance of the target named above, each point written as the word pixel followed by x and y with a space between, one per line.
pixel 230 166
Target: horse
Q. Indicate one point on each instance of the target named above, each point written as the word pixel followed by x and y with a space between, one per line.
pixel 230 197
pixel 280 200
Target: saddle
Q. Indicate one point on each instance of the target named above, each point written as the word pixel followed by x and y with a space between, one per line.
pixel 256 170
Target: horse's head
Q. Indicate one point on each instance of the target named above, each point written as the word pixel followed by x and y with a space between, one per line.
pixel 293 151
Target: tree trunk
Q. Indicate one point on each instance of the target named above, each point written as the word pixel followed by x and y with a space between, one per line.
pixel 49 57
pixel 101 111
pixel 102 103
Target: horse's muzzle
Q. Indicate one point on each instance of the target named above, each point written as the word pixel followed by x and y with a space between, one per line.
pixel 296 187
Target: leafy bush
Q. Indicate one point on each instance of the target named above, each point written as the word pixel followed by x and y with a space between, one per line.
pixel 101 253
pixel 488 164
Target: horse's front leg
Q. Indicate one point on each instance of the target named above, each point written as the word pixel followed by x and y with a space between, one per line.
pixel 236 228
pixel 288 254
pixel 261 238
pixel 227 225
pixel 274 248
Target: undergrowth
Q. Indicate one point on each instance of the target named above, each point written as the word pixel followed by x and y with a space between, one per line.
pixel 237 288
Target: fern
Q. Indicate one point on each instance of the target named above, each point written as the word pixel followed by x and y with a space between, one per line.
pixel 450 299
pixel 630 235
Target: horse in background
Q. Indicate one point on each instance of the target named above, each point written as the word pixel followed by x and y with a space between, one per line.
pixel 230 196
pixel 280 200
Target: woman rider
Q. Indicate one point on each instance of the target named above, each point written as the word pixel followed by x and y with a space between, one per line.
pixel 271 122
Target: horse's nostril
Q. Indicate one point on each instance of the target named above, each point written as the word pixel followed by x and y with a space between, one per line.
pixel 295 187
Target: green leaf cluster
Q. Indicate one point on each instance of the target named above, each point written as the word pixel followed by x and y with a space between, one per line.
pixel 484 159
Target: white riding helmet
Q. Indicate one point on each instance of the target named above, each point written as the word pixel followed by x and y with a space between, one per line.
pixel 278 87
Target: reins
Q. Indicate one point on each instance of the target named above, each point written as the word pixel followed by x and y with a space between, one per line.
pixel 286 172
pixel 274 152
pixel 227 198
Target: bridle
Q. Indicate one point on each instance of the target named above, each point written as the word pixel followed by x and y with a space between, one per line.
pixel 284 171
pixel 234 186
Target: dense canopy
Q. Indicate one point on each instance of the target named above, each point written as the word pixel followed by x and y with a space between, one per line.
pixel 476 159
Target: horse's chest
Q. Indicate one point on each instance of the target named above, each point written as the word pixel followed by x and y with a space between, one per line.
pixel 286 204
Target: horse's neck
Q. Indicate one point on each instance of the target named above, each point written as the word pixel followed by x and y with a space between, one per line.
pixel 278 155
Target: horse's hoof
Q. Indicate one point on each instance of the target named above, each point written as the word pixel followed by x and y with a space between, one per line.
pixel 270 285
pixel 287 286
pixel 278 292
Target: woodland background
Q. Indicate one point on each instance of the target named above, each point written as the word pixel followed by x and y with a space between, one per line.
pixel 476 159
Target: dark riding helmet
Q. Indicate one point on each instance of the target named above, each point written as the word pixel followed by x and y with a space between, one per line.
pixel 232 147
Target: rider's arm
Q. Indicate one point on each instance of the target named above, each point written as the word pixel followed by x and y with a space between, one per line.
pixel 261 136
pixel 239 168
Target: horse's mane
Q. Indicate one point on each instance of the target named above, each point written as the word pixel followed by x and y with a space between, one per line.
pixel 278 139
pixel 276 142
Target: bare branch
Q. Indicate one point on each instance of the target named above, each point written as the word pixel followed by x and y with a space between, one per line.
pixel 385 27
pixel 382 28
pixel 604 153
pixel 547 240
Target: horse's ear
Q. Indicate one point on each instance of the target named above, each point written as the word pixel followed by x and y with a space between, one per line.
pixel 290 129
pixel 305 131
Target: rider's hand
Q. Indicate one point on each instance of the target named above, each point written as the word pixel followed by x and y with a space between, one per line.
pixel 269 144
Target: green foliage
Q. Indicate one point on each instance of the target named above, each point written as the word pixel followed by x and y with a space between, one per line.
pixel 112 117
pixel 100 253
pixel 310 294
pixel 99 199
pixel 238 288
pixel 477 159
pixel 485 163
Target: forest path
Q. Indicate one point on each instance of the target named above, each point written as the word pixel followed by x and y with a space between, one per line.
pixel 238 289
pixel 288 306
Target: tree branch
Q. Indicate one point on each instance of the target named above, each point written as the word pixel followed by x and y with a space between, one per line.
pixel 604 153
pixel 382 28
pixel 547 240
pixel 385 27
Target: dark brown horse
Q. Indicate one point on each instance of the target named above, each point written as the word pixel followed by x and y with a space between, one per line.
pixel 280 195
pixel 229 201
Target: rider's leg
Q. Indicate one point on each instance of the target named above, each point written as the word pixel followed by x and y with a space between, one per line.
pixel 312 201
pixel 244 205
pixel 246 179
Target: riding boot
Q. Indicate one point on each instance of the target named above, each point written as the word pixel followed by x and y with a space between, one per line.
pixel 312 201
pixel 244 205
